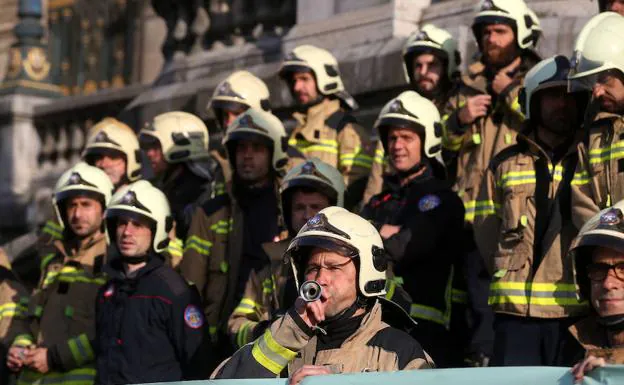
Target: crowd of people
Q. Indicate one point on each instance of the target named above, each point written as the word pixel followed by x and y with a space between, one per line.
pixel 480 222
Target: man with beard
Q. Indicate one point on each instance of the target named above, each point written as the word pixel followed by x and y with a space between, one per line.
pixel 59 345
pixel 326 128
pixel 611 6
pixel 598 253
pixel 341 331
pixel 305 190
pixel 599 67
pixel 524 232
pixel 420 219
pixel 226 233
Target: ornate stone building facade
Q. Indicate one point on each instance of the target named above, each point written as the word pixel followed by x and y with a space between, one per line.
pixel 134 59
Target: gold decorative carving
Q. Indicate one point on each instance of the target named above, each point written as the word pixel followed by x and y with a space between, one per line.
pixel 36 65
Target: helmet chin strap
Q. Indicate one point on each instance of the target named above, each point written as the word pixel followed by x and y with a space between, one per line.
pixel 135 260
pixel 612 322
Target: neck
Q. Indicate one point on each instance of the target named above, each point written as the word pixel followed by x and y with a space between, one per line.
pixel 81 242
pixel 131 269
pixel 616 338
pixel 404 181
pixel 550 139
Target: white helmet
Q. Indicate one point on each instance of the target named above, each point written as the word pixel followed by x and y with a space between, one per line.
pixel 111 134
pixel 141 199
pixel 551 72
pixel 83 180
pixel 182 136
pixel 339 230
pixel 323 65
pixel 431 39
pixel 263 125
pixel 511 12
pixel 598 48
pixel 240 90
pixel 410 110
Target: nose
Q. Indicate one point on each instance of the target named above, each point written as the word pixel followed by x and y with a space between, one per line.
pixel 229 118
pixel 598 91
pixel 423 69
pixel 308 213
pixel 611 281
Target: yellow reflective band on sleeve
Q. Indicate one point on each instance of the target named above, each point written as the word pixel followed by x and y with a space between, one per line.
pixel 323 145
pixel 476 138
pixel 391 285
pixel 11 309
pixel 479 209
pixel 212 330
pixel 202 246
pixel 224 267
pixel 268 286
pixel 46 260
pixel 459 296
pixel 223 226
pixel 604 154
pixel 242 337
pixel 538 294
pixel 81 376
pixel 246 306
pixel 23 340
pixel 515 178
pixel 53 229
pixel 380 156
pixel 508 139
pixel 271 355
pixel 81 350
pixel 432 314
pixel 71 274
pixel 355 159
pixel 580 178
pixel 176 247
pixel 219 189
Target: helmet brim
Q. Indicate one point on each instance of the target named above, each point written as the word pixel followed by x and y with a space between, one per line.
pixel 300 247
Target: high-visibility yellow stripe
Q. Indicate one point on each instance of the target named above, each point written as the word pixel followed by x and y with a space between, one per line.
pixel 603 154
pixel 268 353
pixel 81 350
pixel 432 314
pixel 459 296
pixel 223 226
pixel 580 178
pixel 23 340
pixel 81 376
pixel 246 306
pixel 176 247
pixel 200 245
pixel 46 260
pixel 476 208
pixel 268 286
pixel 71 275
pixel 529 293
pixel 323 145
pixel 53 229
pixel 12 309
pixel 242 337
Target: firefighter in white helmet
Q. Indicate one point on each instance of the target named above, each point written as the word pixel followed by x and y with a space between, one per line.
pixel 71 275
pixel 525 228
pixel 226 233
pixel 598 66
pixel 598 255
pixel 344 254
pixel 176 144
pixel 150 326
pixel 306 189
pixel 326 128
pixel 415 213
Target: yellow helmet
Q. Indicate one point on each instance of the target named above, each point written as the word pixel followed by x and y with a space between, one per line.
pixel 410 110
pixel 141 199
pixel 240 90
pixel 182 136
pixel 431 39
pixel 323 65
pixel 511 12
pixel 111 134
pixel 598 48
pixel 339 230
pixel 81 179
pixel 263 125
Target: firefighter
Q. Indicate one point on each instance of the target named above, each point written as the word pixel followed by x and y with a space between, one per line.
pixel 342 332
pixel 226 233
pixel 71 276
pixel 598 254
pixel 481 118
pixel 415 213
pixel 175 143
pixel 611 6
pixel 150 326
pixel 326 128
pixel 598 67
pixel 305 190
pixel 525 230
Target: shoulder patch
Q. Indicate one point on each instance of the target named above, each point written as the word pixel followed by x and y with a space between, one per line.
pixel 213 205
pixel 504 155
pixel 429 202
pixel 193 317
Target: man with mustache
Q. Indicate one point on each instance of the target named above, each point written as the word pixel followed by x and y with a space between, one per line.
pixel 598 254
pixel 342 331
pixel 71 274
pixel 326 128
pixel 599 68
pixel 524 231
pixel 149 322
pixel 226 233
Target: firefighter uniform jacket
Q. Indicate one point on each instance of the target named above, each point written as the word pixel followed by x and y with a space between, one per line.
pixel 422 252
pixel 476 144
pixel 525 230
pixel 329 133
pixel 601 164
pixel 213 253
pixel 62 313
pixel 149 327
pixel 593 339
pixel 268 293
pixel 289 344
pixel 13 308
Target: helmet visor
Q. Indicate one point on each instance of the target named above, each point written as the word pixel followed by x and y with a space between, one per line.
pixel 580 82
pixel 300 247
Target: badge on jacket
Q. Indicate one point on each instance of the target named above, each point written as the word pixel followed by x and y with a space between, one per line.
pixel 109 291
pixel 193 317
pixel 428 202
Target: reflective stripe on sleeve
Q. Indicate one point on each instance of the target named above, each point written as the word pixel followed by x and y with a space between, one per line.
pixel 198 244
pixel 81 349
pixel 271 355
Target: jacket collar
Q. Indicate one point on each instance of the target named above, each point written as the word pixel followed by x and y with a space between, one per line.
pixel 325 108
pixel 96 245
pixel 116 271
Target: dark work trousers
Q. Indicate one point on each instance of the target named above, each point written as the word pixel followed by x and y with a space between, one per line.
pixel 480 314
pixel 524 341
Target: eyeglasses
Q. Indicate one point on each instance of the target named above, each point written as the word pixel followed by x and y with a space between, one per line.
pixel 599 271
